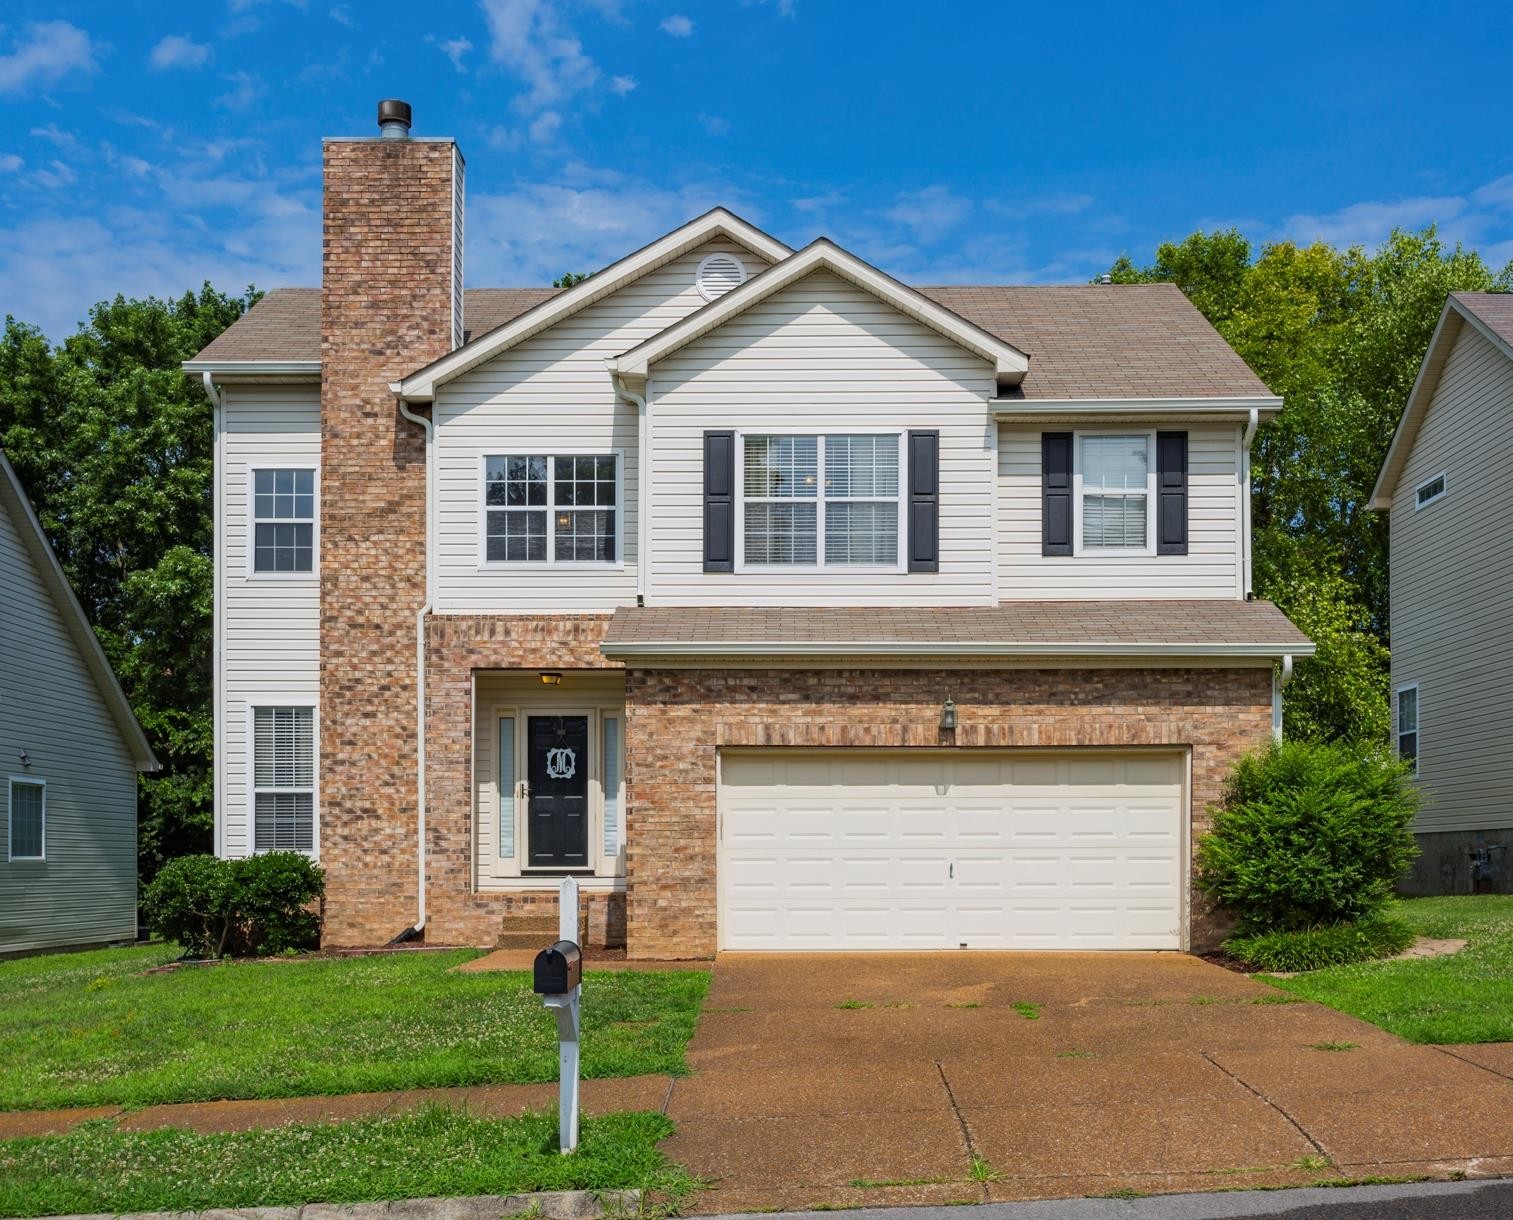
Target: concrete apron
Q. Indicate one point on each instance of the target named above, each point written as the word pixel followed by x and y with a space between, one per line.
pixel 881 1079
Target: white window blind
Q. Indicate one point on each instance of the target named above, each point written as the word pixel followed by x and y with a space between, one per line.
pixel 506 787
pixel 283 777
pixel 613 805
pixel 830 501
pixel 1115 492
pixel 27 820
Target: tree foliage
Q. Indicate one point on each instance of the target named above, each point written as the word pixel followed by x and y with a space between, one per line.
pixel 114 445
pixel 1340 336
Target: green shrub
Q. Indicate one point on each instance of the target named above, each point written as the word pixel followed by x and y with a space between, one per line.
pixel 1309 835
pixel 1315 948
pixel 256 905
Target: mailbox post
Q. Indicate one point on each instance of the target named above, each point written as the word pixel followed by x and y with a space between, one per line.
pixel 558 980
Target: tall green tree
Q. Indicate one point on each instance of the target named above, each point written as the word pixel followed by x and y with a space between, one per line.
pixel 115 447
pixel 1340 336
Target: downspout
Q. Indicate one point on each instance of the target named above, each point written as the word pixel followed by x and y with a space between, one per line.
pixel 643 485
pixel 218 611
pixel 418 929
pixel 1250 434
pixel 1278 685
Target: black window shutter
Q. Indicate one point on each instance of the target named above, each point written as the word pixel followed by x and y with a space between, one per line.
pixel 1171 493
pixel 924 501
pixel 1055 493
pixel 719 501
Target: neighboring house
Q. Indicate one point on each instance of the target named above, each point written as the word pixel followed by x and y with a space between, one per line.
pixel 786 605
pixel 70 750
pixel 1451 589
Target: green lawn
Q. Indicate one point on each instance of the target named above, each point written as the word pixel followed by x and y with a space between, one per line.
pixel 91 1029
pixel 95 1169
pixel 1464 998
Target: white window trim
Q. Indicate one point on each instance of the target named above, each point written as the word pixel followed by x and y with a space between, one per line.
pixel 10 819
pixel 819 565
pixel 1418 722
pixel 252 523
pixel 1436 497
pixel 275 700
pixel 485 564
pixel 1114 552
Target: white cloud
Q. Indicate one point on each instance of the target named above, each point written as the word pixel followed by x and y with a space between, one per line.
pixel 929 213
pixel 454 49
pixel 1058 203
pixel 342 15
pixel 714 125
pixel 246 89
pixel 678 25
pixel 530 39
pixel 825 202
pixel 10 163
pixel 545 126
pixel 53 134
pixel 176 51
pixel 46 53
pixel 622 85
pixel 56 175
pixel 1368 222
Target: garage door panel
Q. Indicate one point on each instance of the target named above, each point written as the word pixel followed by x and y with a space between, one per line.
pixel 994 850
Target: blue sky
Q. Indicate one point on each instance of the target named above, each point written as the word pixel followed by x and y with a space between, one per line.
pixel 149 146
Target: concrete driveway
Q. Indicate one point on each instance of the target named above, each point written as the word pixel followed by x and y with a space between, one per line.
pixel 870 1080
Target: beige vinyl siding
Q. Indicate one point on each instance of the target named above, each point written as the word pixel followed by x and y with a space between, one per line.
pixel 271 624
pixel 552 394
pixel 85 891
pixel 1452 586
pixel 822 354
pixel 1211 568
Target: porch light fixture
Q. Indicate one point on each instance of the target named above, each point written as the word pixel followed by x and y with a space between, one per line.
pixel 948 716
pixel 551 679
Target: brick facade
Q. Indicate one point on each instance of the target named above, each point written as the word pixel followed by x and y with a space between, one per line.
pixel 386 309
pixel 676 721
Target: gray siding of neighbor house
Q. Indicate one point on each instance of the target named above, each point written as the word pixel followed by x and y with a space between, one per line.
pixel 1452 632
pixel 85 892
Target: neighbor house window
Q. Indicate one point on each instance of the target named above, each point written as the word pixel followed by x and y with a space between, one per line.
pixel 283 514
pixel 1427 492
pixel 283 778
pixel 28 819
pixel 1407 725
pixel 551 508
pixel 1114 492
pixel 830 501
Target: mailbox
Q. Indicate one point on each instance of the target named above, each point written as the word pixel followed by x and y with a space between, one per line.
pixel 559 968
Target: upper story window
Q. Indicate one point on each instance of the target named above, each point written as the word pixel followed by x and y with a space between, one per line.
pixel 1407 724
pixel 551 508
pixel 283 778
pixel 1115 498
pixel 820 500
pixel 1430 490
pixel 283 514
pixel 28 819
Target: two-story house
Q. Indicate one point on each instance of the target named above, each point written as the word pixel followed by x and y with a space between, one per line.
pixel 1451 586
pixel 787 605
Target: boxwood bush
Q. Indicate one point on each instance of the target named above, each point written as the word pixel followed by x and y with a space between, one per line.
pixel 256 905
pixel 1309 835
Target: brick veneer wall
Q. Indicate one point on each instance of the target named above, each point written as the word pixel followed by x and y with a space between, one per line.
pixel 385 310
pixel 676 720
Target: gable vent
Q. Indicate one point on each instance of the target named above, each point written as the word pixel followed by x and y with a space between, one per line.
pixel 718 274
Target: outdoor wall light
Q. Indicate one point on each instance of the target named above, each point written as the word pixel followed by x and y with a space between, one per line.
pixel 26 759
pixel 948 716
pixel 551 679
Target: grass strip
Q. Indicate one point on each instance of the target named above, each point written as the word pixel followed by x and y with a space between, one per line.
pixel 429 1152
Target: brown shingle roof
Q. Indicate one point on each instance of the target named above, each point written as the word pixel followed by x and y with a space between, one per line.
pixel 1084 341
pixel 1035 627
pixel 1494 310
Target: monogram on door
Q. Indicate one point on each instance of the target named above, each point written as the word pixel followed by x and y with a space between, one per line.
pixel 557 770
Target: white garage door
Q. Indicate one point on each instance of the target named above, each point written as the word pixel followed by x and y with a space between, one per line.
pixel 926 850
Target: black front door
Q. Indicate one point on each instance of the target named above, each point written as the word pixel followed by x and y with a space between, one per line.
pixel 557 772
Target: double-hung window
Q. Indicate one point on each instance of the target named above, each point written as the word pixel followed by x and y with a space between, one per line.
pixel 283 778
pixel 551 508
pixel 820 500
pixel 1115 495
pixel 28 819
pixel 283 515
pixel 1407 724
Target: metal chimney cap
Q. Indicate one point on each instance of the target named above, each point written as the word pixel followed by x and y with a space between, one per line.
pixel 394 118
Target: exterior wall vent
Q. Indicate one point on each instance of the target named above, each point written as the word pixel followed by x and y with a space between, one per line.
pixel 718 274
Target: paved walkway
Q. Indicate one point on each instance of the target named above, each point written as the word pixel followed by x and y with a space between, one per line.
pixel 874 1080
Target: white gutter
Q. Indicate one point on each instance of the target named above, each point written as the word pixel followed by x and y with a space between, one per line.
pixel 1011 408
pixel 936 648
pixel 218 612
pixel 1250 434
pixel 643 485
pixel 255 368
pixel 420 668
pixel 1277 687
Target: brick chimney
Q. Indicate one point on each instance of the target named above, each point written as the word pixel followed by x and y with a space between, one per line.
pixel 391 301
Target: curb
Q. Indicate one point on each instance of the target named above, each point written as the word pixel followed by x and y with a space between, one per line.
pixel 547 1204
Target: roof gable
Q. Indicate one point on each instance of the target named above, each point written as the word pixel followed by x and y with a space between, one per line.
pixel 1009 363
pixel 1490 314
pixel 420 386
pixel 14 501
